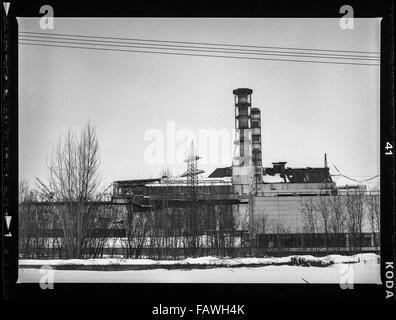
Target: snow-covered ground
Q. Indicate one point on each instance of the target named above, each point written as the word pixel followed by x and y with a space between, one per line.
pixel 213 261
pixel 361 268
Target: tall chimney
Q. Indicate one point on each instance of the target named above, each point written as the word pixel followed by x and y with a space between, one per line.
pixel 243 100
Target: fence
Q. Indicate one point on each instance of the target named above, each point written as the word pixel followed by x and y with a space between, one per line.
pixel 117 244
pixel 119 230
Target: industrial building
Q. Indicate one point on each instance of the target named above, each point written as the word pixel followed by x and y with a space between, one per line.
pixel 244 209
pixel 270 205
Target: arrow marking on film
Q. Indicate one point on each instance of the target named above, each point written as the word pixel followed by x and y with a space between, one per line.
pixel 8 222
pixel 6 6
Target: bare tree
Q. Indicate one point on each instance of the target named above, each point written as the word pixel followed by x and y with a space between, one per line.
pixel 37 226
pixel 26 221
pixel 259 228
pixel 137 230
pixel 355 205
pixel 337 218
pixel 279 228
pixel 310 217
pixel 72 183
pixel 323 209
pixel 373 204
pixel 24 192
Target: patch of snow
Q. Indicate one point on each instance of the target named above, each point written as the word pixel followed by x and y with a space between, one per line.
pixel 276 178
pixel 362 273
pixel 336 258
pixel 367 258
pixel 210 260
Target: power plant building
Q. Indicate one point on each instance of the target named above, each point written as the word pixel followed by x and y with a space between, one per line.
pixel 265 201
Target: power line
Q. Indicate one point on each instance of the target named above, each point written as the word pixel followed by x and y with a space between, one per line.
pixel 199 43
pixel 50 37
pixel 340 174
pixel 354 175
pixel 198 50
pixel 199 55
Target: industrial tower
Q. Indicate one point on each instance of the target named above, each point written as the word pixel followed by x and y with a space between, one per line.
pixel 192 172
pixel 247 162
pixel 256 151
pixel 242 101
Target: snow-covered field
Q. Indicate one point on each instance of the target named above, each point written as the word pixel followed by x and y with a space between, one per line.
pixel 361 268
pixel 212 261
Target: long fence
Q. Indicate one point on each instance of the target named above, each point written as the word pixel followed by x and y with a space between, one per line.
pixel 121 230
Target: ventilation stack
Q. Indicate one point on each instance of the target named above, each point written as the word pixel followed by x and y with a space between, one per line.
pixel 256 150
pixel 242 99
pixel 242 168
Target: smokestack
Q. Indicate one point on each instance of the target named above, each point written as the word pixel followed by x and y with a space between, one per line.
pixel 243 101
pixel 256 143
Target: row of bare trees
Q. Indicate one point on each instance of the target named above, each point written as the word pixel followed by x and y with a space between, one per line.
pixel 169 232
pixel 180 231
pixel 342 221
pixel 71 186
pixel 121 230
pixel 42 233
pixel 335 214
pixel 67 215
pixel 265 225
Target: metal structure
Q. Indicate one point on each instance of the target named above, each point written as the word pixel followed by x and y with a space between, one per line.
pixel 192 172
pixel 247 170
pixel 256 151
pixel 243 102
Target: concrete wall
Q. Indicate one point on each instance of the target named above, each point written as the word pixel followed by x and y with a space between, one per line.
pixel 296 187
pixel 284 214
pixel 271 214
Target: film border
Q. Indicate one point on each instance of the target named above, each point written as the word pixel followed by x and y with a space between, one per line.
pixel 177 9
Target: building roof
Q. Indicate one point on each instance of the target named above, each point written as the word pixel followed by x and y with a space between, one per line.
pixel 136 181
pixel 221 173
pixel 302 175
pixel 279 174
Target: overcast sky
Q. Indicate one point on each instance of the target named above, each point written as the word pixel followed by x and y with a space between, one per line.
pixel 307 109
